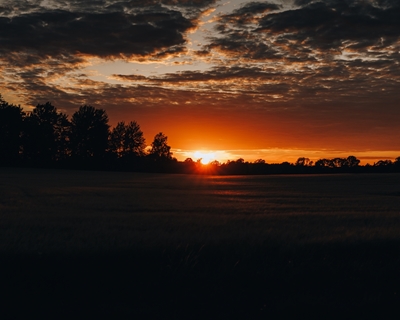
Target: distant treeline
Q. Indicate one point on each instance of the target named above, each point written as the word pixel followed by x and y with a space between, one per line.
pixel 301 166
pixel 46 138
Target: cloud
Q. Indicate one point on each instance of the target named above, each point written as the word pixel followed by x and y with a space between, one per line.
pixel 37 30
pixel 355 82
pixel 17 7
pixel 249 12
pixel 43 40
pixel 307 52
pixel 337 24
pixel 105 35
pixel 314 30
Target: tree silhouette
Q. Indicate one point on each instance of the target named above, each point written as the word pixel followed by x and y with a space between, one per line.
pixel 89 133
pixel 260 161
pixel 303 162
pixel 11 120
pixel 383 163
pixel 338 162
pixel 352 162
pixel 45 134
pixel 160 150
pixel 127 140
pixel 324 163
pixel 215 163
pixel 349 162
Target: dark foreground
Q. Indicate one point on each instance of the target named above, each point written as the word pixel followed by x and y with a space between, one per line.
pixel 147 246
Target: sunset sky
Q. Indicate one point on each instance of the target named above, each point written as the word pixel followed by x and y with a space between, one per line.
pixel 254 79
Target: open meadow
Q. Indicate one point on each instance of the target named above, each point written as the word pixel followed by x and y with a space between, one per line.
pixel 86 244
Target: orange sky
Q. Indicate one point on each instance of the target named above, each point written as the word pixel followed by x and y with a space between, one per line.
pixel 273 79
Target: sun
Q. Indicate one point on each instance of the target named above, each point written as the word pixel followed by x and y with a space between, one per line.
pixel 206 157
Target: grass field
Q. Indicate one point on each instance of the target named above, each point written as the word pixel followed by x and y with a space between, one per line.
pixel 76 244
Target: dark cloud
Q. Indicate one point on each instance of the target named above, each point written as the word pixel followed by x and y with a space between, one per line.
pixel 353 83
pixel 57 37
pixel 247 12
pixel 16 7
pixel 104 35
pixel 320 51
pixel 237 30
pixel 35 31
pixel 330 26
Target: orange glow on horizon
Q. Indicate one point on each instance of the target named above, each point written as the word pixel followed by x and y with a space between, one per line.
pixel 276 155
pixel 205 156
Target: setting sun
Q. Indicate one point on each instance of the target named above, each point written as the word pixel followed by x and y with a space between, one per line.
pixel 206 157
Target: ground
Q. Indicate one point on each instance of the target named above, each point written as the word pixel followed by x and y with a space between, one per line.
pixel 125 245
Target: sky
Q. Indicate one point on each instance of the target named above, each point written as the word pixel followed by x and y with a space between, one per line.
pixel 275 80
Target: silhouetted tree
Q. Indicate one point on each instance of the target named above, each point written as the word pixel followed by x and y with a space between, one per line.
pixel 160 150
pixel 215 163
pixel 383 163
pixel 349 162
pixel 303 162
pixel 11 120
pixel 89 133
pixel 259 161
pixel 324 163
pixel 127 140
pixel 352 162
pixel 338 162
pixel 45 134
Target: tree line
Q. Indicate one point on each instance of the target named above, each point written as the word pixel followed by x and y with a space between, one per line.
pixel 302 166
pixel 45 137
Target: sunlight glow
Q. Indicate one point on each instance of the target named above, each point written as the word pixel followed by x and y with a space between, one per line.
pixel 206 157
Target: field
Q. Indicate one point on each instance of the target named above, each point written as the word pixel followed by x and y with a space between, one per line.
pixel 79 244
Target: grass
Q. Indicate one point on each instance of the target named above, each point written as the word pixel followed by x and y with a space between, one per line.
pixel 126 245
